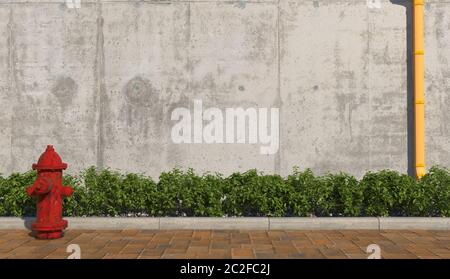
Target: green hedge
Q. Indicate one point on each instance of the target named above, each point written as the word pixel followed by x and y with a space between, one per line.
pixel 184 193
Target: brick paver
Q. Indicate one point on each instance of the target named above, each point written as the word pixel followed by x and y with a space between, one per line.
pixel 135 244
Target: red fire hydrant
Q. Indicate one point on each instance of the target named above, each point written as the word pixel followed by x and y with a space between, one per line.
pixel 49 192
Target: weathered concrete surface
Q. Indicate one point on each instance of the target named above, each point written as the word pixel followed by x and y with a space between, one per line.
pixel 437 82
pixel 100 82
pixel 50 84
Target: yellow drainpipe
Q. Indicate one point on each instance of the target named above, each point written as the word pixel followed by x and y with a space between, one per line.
pixel 419 87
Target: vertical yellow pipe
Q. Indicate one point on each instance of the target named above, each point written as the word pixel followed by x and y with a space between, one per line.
pixel 419 87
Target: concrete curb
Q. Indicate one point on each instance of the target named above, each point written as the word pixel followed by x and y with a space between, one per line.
pixel 324 223
pixel 241 223
pixel 414 223
pixel 211 223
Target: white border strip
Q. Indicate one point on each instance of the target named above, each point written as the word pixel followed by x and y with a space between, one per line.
pixel 241 223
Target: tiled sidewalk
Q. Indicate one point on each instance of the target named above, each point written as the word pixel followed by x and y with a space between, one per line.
pixel 228 244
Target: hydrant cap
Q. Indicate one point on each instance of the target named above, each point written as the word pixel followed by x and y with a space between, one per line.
pixel 49 160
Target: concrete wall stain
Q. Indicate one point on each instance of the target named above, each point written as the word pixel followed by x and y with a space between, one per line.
pixel 64 90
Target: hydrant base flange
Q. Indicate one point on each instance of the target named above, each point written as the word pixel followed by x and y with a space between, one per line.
pixel 44 231
pixel 54 227
pixel 48 234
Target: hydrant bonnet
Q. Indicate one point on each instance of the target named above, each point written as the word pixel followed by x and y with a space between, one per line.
pixel 49 160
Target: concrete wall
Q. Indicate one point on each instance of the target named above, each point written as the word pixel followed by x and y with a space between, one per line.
pixel 100 82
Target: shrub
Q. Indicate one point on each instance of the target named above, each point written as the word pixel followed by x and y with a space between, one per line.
pixel 184 193
pixel 187 194
pixel 434 193
pixel 347 195
pixel 253 194
pixel 14 200
pixel 386 193
pixel 108 193
pixel 306 193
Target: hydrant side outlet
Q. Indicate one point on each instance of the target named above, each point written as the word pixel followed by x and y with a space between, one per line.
pixel 49 193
